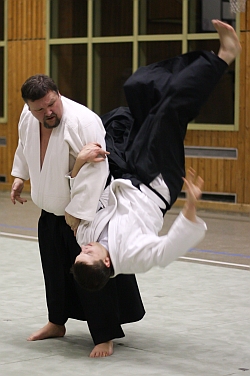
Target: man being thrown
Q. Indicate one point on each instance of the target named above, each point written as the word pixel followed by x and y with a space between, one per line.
pixel 147 161
pixel 138 248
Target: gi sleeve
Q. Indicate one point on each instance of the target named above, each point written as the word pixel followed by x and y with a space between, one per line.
pixel 20 167
pixel 88 185
pixel 148 250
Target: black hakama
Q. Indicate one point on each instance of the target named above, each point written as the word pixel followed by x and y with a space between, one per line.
pixel 147 138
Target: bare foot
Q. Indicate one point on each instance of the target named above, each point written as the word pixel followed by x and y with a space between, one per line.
pixel 229 42
pixel 50 330
pixel 102 350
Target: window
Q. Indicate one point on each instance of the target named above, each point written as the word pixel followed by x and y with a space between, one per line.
pixel 222 114
pixel 94 46
pixel 2 61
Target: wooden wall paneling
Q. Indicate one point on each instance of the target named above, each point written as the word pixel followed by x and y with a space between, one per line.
pixel 33 8
pixel 27 58
pixel 210 173
pixel 207 175
pixel 201 140
pixel 234 165
pixel 240 134
pixel 226 171
pixel 3 151
pixel 42 15
pixel 221 163
pixel 214 175
pixel 243 19
pixel 220 175
pixel 196 138
pixel 201 168
pixel 223 138
pixel 17 29
pixel 12 19
pixel 18 26
pixel 211 165
pixel 191 139
pixel 246 17
pixel 213 168
pixel 245 80
pixel 190 162
pixel 233 184
pixel 240 173
pixel 227 176
pixel 247 122
pixel 26 19
pixel 213 138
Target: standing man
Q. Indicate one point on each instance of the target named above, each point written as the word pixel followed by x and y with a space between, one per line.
pixel 52 131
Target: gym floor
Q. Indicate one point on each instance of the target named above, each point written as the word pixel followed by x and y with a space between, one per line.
pixel 197 318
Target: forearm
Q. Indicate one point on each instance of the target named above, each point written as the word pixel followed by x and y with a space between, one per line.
pixel 77 166
pixel 182 236
pixel 189 212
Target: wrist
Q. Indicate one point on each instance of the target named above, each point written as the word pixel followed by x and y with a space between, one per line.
pixel 77 166
pixel 189 211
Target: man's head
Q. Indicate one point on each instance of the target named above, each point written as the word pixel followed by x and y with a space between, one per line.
pixel 43 98
pixel 92 268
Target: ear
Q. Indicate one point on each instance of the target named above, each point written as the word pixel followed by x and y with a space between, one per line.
pixel 106 261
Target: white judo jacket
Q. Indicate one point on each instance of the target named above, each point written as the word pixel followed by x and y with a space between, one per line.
pixel 134 221
pixel 50 188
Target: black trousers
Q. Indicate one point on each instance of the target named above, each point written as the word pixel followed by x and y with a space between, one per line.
pixel 147 138
pixel 118 303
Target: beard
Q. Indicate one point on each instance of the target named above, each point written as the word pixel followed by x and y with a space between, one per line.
pixel 57 122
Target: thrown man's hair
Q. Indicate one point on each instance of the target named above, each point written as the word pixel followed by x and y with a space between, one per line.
pixel 91 277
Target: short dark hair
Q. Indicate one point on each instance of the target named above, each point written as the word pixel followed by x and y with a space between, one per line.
pixel 37 86
pixel 91 277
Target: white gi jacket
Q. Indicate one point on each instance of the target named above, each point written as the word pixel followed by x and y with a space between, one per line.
pixel 134 223
pixel 50 188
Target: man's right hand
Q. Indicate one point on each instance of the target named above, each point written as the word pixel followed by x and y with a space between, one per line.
pixel 16 191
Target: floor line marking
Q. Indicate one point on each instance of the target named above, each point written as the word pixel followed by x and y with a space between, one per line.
pixel 214 262
pixel 9 235
pixel 218 253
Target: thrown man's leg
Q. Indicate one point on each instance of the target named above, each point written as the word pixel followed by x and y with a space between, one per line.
pixel 184 86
